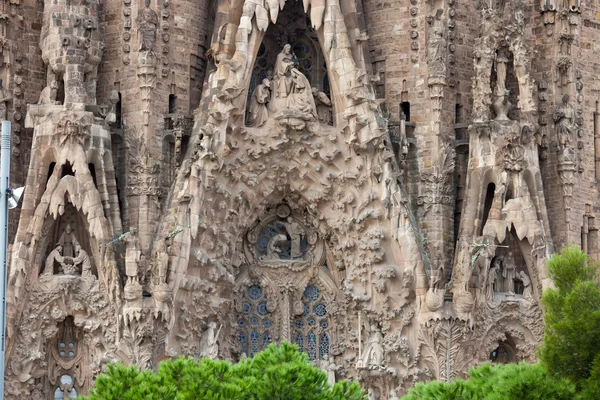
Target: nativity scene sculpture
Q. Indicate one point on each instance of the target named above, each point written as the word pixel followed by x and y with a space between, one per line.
pixel 68 258
pixel 287 95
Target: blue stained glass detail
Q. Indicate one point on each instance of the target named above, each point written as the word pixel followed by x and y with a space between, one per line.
pixel 306 310
pixel 254 292
pixel 312 321
pixel 324 324
pixel 246 308
pixel 254 321
pixel 253 343
pixel 320 310
pixel 312 346
pixel 266 339
pixel 323 345
pixel 299 323
pixel 241 323
pixel 300 342
pixel 267 324
pixel 242 339
pixel 261 308
pixel 262 242
pixel 311 293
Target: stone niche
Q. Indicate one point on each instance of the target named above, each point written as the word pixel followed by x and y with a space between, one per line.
pixel 306 66
pixel 68 250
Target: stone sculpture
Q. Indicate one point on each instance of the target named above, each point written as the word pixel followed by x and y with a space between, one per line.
pixel 374 354
pixel 436 46
pixel 564 119
pixel 209 344
pixel 4 98
pixel 323 106
pixel 296 232
pixel 257 111
pixel 48 95
pixel 147 21
pixel 509 273
pixel 527 290
pixel 263 214
pixel 328 365
pixel 291 90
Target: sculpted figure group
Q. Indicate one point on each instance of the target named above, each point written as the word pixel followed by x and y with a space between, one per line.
pixel 502 277
pixel 289 91
pixel 69 255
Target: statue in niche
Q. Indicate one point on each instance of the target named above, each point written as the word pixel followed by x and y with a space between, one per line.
pixel 509 273
pixel 564 120
pixel 291 89
pixel 257 111
pixel 49 93
pixel 328 365
pixel 436 47
pixel 501 64
pixel 374 355
pixel 296 233
pixel 4 98
pixel 323 106
pixel 54 256
pixel 83 260
pixel 491 278
pixel 147 21
pixel 527 290
pixel 68 242
pixel 208 344
pixel 282 76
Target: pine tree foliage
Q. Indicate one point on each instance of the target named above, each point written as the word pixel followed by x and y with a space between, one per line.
pixel 277 373
pixel 571 346
pixel 498 382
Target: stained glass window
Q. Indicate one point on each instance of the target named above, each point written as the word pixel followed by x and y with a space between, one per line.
pixel 312 326
pixel 254 321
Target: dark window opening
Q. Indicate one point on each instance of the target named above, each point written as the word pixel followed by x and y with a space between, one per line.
pixel 172 103
pixel 50 172
pixel 118 111
pixel 92 168
pixel 489 198
pixel 67 169
pixel 60 93
pixel 458 114
pixel 405 111
pixel 120 200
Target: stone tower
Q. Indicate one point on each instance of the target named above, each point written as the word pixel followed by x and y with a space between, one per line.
pixel 379 182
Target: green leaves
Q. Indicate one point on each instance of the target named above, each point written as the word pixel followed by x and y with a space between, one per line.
pixel 572 333
pixel 498 382
pixel 279 372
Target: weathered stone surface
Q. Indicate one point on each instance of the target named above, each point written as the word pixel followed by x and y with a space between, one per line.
pixel 381 182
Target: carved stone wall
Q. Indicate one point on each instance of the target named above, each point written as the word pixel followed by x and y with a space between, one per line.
pixel 380 183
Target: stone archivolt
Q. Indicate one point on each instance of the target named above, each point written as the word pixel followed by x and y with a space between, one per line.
pixel 289 215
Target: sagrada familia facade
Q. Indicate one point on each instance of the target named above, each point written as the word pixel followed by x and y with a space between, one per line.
pixel 380 182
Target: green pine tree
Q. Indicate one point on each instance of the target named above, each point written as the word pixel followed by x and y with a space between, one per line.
pixel 278 372
pixel 571 346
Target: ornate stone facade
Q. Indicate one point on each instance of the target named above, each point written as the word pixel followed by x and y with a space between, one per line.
pixel 381 183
